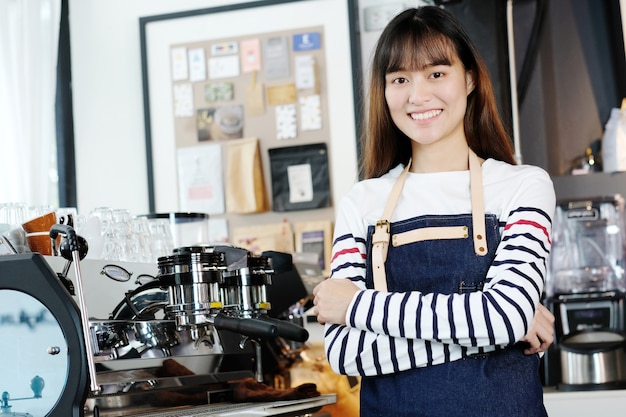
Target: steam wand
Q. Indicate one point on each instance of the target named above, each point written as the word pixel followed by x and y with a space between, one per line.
pixel 258 374
pixel 73 247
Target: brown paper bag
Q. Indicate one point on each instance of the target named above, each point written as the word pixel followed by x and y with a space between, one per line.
pixel 264 237
pixel 245 186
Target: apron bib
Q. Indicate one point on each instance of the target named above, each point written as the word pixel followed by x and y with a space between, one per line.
pixel 446 254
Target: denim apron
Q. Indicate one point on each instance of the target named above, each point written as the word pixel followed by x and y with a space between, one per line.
pixel 503 383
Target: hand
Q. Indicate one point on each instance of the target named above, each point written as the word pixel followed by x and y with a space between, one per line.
pixel 541 332
pixel 331 300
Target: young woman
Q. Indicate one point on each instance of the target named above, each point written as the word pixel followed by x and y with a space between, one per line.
pixel 440 254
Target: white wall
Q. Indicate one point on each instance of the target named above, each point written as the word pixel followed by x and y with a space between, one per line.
pixel 108 99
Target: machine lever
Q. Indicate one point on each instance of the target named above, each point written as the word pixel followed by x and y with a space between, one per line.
pixel 247 327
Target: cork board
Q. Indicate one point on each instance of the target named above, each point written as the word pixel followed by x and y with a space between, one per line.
pixel 269 86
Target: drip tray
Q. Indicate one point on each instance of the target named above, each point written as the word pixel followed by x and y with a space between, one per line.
pixel 275 408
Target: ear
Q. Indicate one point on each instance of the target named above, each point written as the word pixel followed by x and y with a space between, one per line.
pixel 469 80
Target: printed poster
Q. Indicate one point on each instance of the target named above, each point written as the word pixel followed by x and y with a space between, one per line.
pixel 200 179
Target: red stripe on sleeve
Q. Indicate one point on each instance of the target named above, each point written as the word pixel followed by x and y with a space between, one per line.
pixel 530 223
pixel 346 251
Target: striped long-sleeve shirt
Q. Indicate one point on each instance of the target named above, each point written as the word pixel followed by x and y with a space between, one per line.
pixel 381 335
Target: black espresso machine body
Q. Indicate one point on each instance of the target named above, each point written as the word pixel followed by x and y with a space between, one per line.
pixel 42 342
pixel 585 287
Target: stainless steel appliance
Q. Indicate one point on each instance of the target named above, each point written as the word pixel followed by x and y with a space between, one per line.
pixel 138 339
pixel 585 290
pixel 592 359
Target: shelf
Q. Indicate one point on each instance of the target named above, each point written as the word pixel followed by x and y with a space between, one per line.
pixel 597 184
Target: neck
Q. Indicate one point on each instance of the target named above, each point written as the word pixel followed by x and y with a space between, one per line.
pixel 432 158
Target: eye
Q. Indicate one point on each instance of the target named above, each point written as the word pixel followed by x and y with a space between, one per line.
pixel 396 78
pixel 437 74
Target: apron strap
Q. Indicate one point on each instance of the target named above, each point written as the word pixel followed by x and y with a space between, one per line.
pixel 478 205
pixel 380 238
pixel 382 229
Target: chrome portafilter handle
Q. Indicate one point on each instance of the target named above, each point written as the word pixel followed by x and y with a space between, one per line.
pixel 247 327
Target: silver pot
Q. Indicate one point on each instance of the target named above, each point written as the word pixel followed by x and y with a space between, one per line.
pixel 593 357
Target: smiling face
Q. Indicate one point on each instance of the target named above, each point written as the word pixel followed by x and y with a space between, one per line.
pixel 428 103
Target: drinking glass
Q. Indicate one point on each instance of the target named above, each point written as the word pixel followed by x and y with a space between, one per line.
pixel 162 239
pixel 142 240
pixel 12 215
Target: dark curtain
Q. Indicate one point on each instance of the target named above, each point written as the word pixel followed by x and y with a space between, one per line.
pixel 63 113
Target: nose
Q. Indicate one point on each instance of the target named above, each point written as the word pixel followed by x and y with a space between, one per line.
pixel 419 92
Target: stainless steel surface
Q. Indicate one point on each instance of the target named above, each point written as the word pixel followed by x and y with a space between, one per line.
pixel 585 286
pixel 593 357
pixel 291 408
pixel 202 307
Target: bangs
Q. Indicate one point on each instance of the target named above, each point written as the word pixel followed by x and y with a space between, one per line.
pixel 416 50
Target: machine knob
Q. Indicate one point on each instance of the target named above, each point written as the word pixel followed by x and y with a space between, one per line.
pixel 54 350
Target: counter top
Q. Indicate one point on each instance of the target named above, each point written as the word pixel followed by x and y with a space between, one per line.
pixel 608 403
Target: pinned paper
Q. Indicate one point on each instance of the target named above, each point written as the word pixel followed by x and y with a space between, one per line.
pixel 224 48
pixel 305 72
pixel 225 122
pixel 276 57
pixel 310 112
pixel 197 65
pixel 200 179
pixel 300 183
pixel 251 55
pixel 286 127
pixel 306 41
pixel 218 92
pixel 224 67
pixel 204 123
pixel 281 94
pixel 183 100
pixel 179 64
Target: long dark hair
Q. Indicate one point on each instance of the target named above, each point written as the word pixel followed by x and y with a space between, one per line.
pixel 411 40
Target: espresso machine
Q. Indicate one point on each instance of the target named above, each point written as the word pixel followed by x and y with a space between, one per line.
pixel 585 290
pixel 128 339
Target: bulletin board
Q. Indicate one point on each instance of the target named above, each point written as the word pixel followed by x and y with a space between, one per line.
pixel 269 86
pixel 330 102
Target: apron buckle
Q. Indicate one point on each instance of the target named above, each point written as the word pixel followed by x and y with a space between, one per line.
pixel 383 224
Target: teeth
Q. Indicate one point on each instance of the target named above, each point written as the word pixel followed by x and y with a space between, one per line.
pixel 424 116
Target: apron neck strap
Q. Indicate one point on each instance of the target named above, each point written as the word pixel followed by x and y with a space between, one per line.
pixel 478 205
pixel 380 238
